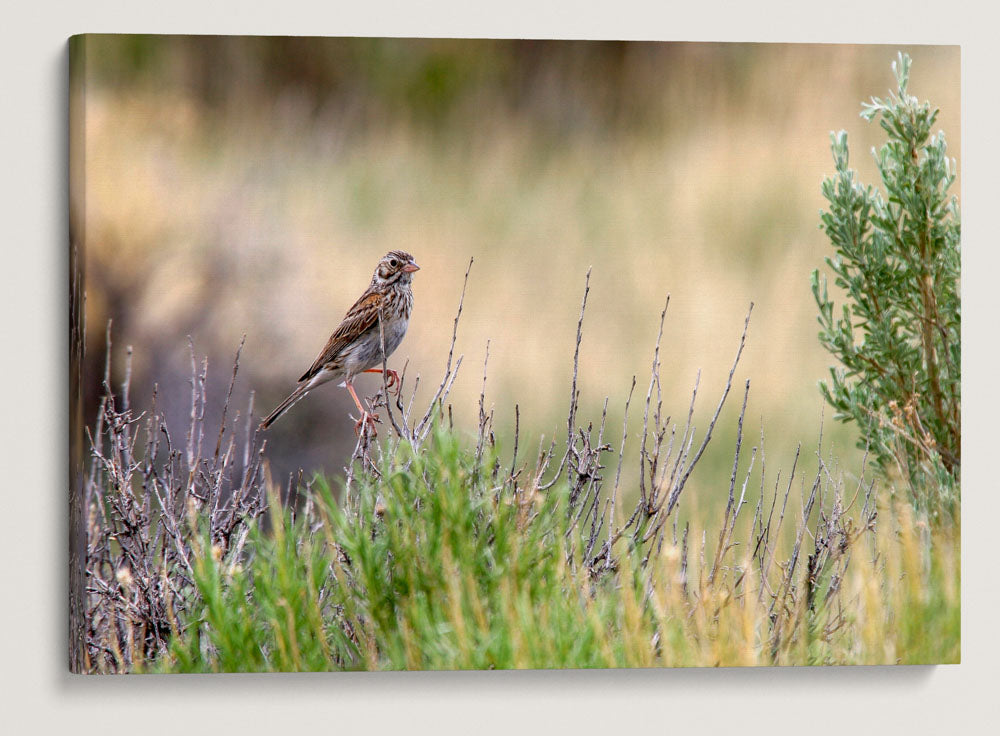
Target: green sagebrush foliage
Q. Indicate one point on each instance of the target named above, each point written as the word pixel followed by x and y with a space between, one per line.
pixel 427 568
pixel 897 336
pixel 431 565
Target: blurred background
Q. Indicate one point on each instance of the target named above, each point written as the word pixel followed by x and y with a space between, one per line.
pixel 249 185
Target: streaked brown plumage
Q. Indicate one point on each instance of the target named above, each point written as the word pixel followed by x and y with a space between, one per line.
pixel 356 345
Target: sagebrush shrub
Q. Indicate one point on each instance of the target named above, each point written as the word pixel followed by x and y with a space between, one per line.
pixel 898 334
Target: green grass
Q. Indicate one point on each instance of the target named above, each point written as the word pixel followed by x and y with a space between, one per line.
pixel 437 566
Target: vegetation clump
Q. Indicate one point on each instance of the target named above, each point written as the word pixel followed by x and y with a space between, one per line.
pixel 898 334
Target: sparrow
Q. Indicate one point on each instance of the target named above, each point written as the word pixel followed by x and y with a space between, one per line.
pixel 355 347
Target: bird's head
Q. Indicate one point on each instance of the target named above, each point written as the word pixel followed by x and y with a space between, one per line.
pixel 395 265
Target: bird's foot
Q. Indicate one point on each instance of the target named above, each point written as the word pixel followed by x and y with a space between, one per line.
pixel 391 380
pixel 367 424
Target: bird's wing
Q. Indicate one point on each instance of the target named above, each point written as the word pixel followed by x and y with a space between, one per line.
pixel 359 318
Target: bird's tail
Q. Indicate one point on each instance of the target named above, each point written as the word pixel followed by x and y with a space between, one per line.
pixel 285 405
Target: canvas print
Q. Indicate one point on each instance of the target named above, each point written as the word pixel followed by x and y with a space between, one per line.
pixel 438 354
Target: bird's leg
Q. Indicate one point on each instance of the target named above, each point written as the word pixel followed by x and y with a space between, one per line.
pixel 393 378
pixel 370 419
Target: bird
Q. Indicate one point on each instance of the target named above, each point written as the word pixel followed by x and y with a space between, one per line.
pixel 355 347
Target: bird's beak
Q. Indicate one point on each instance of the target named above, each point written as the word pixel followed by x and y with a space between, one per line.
pixel 411 267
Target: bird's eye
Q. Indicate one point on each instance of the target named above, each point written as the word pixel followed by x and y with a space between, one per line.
pixel 393 262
